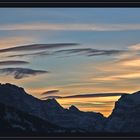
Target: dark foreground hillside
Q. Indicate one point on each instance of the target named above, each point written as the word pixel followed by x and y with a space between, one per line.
pixel 24 115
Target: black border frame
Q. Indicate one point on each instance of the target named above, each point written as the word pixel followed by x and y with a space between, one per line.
pixel 72 4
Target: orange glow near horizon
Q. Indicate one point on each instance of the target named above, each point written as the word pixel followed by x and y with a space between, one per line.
pixel 103 105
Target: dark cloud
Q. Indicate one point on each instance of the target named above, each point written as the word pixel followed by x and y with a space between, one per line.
pixel 50 92
pixel 89 51
pixel 20 73
pixel 89 95
pixel 68 52
pixel 31 54
pixel 33 47
pixel 104 52
pixel 79 50
pixel 13 63
pixel 94 95
pixel 50 97
pixel 94 103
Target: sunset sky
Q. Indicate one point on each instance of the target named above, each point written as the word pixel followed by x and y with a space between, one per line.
pixel 65 52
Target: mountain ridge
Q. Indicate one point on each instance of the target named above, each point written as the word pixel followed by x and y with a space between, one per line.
pixel 49 110
pixel 125 116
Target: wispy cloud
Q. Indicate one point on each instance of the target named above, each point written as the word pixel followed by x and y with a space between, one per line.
pixel 50 92
pixel 33 47
pixel 135 47
pixel 89 51
pixel 88 95
pixel 13 62
pixel 129 58
pixel 42 53
pixel 70 27
pixel 124 67
pixel 19 73
pixel 77 51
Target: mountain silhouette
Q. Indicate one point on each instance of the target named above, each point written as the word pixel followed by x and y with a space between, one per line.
pixel 21 112
pixel 50 110
pixel 13 121
pixel 125 116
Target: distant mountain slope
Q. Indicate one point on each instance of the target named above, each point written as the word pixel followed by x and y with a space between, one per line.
pixel 125 116
pixel 20 111
pixel 13 121
pixel 50 110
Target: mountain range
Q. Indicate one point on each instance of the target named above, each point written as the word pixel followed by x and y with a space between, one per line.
pixel 22 113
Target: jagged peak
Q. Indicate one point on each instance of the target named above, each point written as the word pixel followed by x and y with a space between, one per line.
pixel 12 89
pixel 127 100
pixel 52 102
pixel 73 108
pixel 134 96
pixel 10 85
pixel 137 92
pixel 7 84
pixel 123 96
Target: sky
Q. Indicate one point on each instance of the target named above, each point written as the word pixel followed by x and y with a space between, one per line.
pixel 87 57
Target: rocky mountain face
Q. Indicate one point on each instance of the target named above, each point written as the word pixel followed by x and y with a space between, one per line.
pixel 22 112
pixel 14 121
pixel 48 110
pixel 125 116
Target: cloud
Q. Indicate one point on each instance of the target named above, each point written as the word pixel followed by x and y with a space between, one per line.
pixel 123 70
pixel 135 47
pixel 88 95
pixel 68 52
pixel 13 63
pixel 50 92
pixel 33 47
pixel 88 51
pixel 129 62
pixel 94 95
pixel 42 53
pixel 70 27
pixel 79 50
pixel 130 58
pixel 105 52
pixel 50 97
pixel 129 75
pixel 20 73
